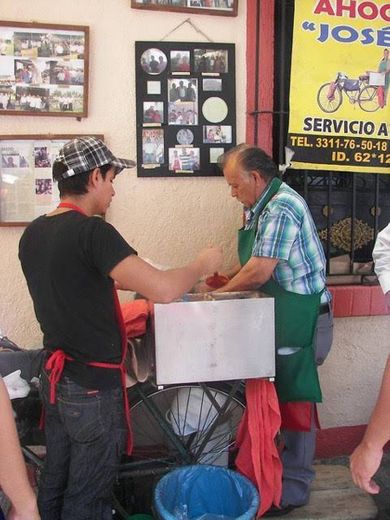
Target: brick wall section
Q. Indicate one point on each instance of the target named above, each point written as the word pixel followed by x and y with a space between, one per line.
pixel 358 300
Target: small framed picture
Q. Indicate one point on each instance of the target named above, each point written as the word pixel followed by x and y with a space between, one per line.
pixel 184 159
pixel 215 134
pixel 152 146
pixel 182 113
pixel 37 61
pixel 180 89
pixel 153 112
pixel 211 60
pixel 185 136
pixel 180 61
pixel 153 61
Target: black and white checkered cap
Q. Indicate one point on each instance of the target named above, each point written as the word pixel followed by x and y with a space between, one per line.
pixel 83 154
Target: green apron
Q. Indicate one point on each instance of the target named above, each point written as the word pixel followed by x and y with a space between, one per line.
pixel 295 326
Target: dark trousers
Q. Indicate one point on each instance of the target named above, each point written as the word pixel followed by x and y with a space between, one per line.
pixel 298 454
pixel 85 437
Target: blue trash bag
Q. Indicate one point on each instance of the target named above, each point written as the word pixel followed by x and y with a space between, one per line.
pixel 204 492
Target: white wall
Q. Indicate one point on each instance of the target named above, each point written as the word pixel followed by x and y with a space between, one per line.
pixel 166 220
pixel 351 375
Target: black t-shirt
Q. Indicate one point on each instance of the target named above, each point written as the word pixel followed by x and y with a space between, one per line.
pixel 66 260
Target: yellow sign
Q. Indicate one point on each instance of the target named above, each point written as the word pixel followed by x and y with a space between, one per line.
pixel 339 93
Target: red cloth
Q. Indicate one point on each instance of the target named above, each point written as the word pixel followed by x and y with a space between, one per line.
pixel 258 457
pixel 135 315
pixel 217 280
pixel 296 415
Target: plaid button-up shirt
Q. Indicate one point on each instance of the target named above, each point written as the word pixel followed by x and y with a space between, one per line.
pixel 286 230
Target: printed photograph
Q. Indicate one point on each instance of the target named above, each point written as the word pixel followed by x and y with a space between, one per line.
pixel 180 61
pixel 27 44
pixel 67 73
pixel 152 146
pixel 184 159
pixel 212 4
pixel 33 72
pixel 153 61
pixel 185 136
pixel 211 60
pixel 43 187
pixel 182 113
pixel 41 157
pixel 10 161
pixel 7 99
pixel 182 89
pixel 6 43
pixel 33 99
pixel 153 112
pixel 217 134
pixel 212 84
pixel 66 99
pixel 49 44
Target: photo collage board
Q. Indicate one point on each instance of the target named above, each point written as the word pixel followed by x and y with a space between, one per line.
pixel 27 189
pixel 43 69
pixel 186 111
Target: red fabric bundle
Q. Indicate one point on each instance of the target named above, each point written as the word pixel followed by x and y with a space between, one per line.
pixel 258 457
pixel 135 315
pixel 217 280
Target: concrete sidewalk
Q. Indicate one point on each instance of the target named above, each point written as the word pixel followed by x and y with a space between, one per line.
pixel 334 496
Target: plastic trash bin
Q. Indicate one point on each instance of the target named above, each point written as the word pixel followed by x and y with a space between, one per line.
pixel 204 492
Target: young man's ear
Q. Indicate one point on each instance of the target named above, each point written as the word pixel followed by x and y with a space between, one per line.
pixel 94 177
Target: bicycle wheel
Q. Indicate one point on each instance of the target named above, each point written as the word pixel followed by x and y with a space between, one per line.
pixel 368 99
pixel 185 424
pixel 329 103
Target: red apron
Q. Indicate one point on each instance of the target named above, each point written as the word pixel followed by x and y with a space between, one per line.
pixel 56 362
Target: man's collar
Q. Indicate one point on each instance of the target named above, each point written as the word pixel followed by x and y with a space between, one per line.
pixel 258 206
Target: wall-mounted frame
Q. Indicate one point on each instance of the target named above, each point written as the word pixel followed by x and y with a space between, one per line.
pixel 186 116
pixel 215 7
pixel 26 186
pixel 43 69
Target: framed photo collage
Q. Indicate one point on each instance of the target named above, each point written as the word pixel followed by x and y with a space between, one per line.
pixel 186 116
pixel 43 69
pixel 26 186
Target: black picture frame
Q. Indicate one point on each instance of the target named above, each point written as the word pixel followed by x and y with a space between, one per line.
pixel 185 106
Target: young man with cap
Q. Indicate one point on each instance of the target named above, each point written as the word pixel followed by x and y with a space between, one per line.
pixel 71 260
